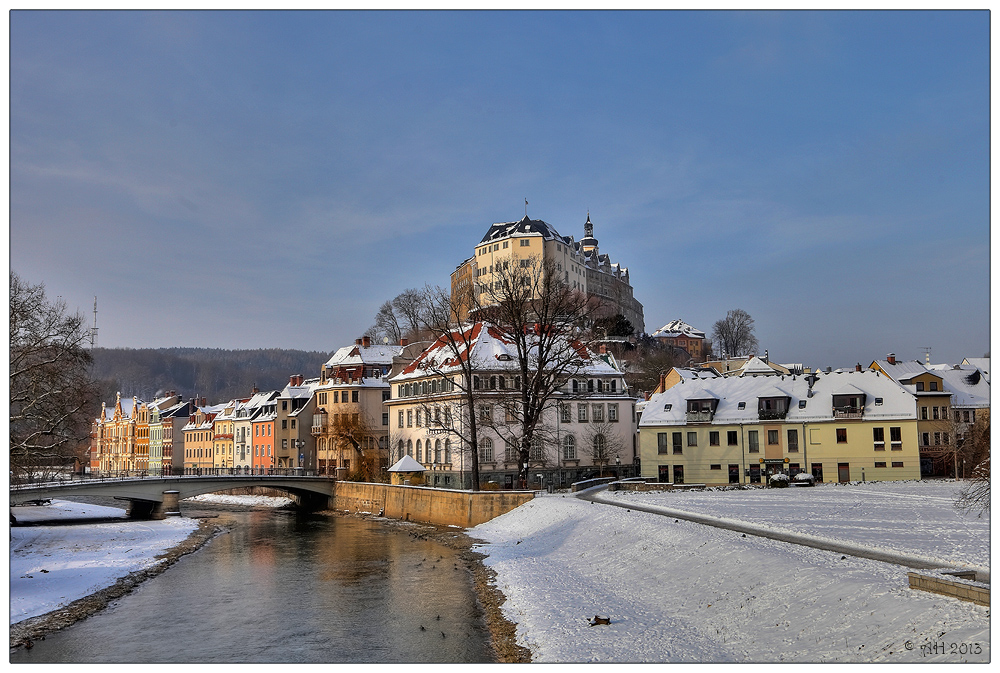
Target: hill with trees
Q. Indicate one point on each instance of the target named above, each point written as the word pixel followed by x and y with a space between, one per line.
pixel 216 374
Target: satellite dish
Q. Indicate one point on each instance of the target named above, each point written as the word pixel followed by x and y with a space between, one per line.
pixel 385 340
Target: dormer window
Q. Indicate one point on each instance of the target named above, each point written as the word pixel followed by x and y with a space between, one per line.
pixel 667 407
pixel 741 405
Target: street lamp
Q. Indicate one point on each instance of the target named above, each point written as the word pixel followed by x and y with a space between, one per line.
pixel 618 466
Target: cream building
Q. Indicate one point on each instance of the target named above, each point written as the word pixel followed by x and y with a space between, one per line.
pixel 582 266
pixel 587 429
pixel 839 426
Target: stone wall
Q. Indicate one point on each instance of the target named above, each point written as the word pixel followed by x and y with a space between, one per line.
pixel 951 583
pixel 426 505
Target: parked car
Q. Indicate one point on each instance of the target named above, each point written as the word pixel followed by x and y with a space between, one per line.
pixel 804 479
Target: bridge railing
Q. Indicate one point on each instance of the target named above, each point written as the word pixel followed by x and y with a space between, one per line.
pixel 123 475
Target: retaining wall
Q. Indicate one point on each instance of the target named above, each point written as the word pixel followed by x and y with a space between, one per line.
pixel 951 583
pixel 426 505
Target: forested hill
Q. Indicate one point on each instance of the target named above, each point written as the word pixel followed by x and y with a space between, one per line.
pixel 216 374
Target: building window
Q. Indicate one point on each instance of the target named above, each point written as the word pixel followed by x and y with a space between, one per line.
pixel 878 437
pixel 677 443
pixel 525 242
pixel 510 451
pixel 692 439
pixel 536 451
pixel 896 437
pixel 793 441
pixel 933 385
pixel 385 418
pixel 897 463
pixel 678 474
pixel 935 414
pixel 485 413
pixel 354 396
pixel 920 386
pixel 662 445
pixel 879 463
pixel 613 412
pixel 923 413
pixel 937 439
pixel 772 437
pixel 752 445
pixel 564 413
pixel 420 452
pixel 581 413
pixel 598 413
pixel 841 435
pixel 409 418
pixel 418 418
pixel 713 438
pixel 925 439
pixel 569 447
pixel 400 418
pixel 732 438
pixel 715 467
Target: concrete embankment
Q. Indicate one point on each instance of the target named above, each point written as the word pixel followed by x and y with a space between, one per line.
pixel 438 506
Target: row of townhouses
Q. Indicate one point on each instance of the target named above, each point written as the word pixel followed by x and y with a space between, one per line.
pixel 373 404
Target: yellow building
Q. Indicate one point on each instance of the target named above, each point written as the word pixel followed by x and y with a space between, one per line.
pixel 222 436
pixel 199 441
pixel 580 263
pixel 838 426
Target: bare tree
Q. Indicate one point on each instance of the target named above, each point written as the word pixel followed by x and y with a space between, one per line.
pixel 455 340
pixel 545 320
pixel 52 396
pixel 734 334
pixel 387 323
pixel 603 443
pixel 355 435
pixel 974 496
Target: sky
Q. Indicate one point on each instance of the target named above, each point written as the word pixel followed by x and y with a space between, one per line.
pixel 267 179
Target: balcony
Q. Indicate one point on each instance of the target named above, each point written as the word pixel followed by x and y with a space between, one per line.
pixel 855 413
pixel 316 430
pixel 700 416
pixel 772 414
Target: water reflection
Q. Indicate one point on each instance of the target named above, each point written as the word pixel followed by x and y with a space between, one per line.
pixel 281 587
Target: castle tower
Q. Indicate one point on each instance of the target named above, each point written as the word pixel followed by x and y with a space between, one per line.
pixel 588 243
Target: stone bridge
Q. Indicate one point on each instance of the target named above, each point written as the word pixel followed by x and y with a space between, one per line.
pixel 158 497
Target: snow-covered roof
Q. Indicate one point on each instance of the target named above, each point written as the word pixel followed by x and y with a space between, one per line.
pixel 490 350
pixel 983 364
pixel 896 403
pixel 901 370
pixel 406 464
pixel 755 366
pixel 969 386
pixel 303 391
pixel 676 328
pixel 524 227
pixel 375 354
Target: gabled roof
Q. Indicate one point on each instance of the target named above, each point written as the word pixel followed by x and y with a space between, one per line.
pixel 901 370
pixel 490 350
pixel 969 385
pixel 295 392
pixel 756 366
pixel 676 328
pixel 376 354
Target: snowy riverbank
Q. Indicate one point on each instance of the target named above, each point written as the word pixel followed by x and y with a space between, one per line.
pixel 53 565
pixel 683 592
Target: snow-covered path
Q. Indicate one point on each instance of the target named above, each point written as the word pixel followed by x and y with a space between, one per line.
pixel 685 592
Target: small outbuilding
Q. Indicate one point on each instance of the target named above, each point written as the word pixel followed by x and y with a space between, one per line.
pixel 407 471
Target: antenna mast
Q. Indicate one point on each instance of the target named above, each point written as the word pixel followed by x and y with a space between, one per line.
pixel 927 353
pixel 93 330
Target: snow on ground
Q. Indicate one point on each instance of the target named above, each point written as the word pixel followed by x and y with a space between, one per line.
pixel 52 566
pixel 245 500
pixel 683 592
pixel 914 516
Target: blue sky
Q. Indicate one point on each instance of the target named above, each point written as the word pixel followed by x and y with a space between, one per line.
pixel 268 179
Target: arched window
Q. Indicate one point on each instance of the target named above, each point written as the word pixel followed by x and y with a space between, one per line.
pixel 486 450
pixel 569 447
pixel 420 453
pixel 409 447
pixel 590 385
pixel 447 451
pixel 401 449
pixel 437 451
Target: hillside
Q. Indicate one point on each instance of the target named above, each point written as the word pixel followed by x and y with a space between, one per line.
pixel 217 374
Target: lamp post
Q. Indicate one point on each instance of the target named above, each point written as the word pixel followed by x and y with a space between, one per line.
pixel 618 467
pixel 299 444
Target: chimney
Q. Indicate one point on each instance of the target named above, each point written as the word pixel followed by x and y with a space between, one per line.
pixel 357 342
pixel 253 391
pixel 765 356
pixel 857 367
pixel 663 382
pixel 366 341
pixel 404 341
pixel 891 358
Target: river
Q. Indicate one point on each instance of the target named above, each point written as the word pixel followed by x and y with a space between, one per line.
pixel 281 586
